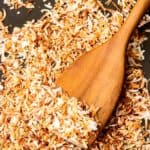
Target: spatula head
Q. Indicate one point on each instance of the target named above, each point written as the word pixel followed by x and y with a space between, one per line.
pixel 96 79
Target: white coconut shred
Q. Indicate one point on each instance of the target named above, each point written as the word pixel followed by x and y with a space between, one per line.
pixel 34 113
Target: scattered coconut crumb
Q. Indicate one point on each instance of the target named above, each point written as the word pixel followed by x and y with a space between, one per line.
pixel 16 4
pixel 35 113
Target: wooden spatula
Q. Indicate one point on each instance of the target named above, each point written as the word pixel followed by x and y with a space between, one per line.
pixel 97 77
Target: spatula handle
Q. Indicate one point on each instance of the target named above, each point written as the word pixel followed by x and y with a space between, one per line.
pixel 133 19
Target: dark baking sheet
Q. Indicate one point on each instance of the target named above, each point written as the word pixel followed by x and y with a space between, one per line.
pixel 14 19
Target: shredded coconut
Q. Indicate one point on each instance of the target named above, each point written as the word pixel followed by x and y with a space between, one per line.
pixel 15 4
pixel 34 112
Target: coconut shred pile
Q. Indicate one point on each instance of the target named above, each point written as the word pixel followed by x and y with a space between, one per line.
pixel 35 113
pixel 15 4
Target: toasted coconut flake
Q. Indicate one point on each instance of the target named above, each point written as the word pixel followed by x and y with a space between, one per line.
pixel 34 113
pixel 15 4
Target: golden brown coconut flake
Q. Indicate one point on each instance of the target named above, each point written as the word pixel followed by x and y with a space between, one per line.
pixel 34 113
